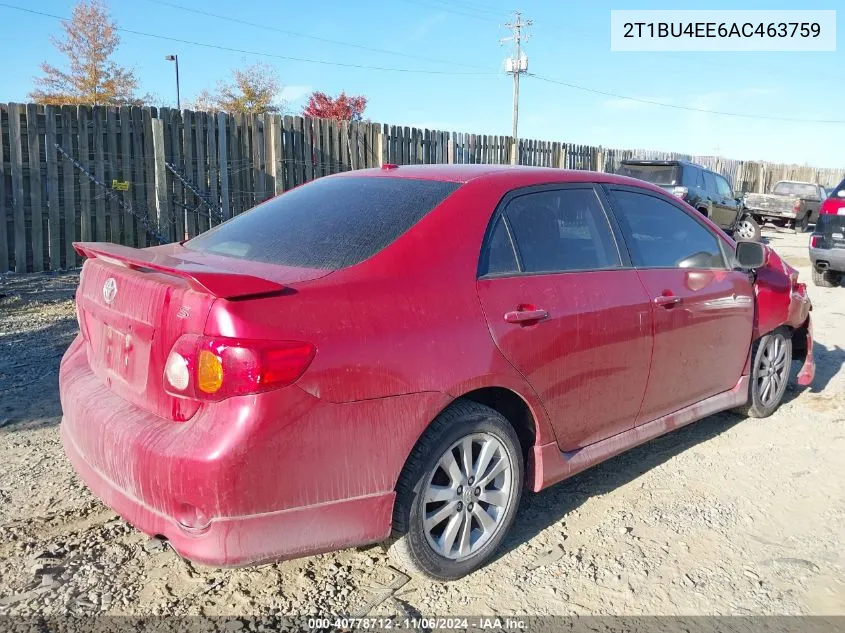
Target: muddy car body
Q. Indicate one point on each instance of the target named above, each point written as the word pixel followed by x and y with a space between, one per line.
pixel 396 353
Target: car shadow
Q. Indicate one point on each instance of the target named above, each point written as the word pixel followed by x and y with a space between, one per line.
pixel 541 510
pixel 829 362
pixel 29 377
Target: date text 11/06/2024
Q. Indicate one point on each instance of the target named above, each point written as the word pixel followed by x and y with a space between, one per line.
pixel 492 623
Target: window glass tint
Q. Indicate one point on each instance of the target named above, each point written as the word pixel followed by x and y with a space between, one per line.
pixel 660 235
pixel 799 189
pixel 693 177
pixel 709 182
pixel 838 191
pixel 562 230
pixel 329 223
pixel 724 187
pixel 656 174
pixel 498 256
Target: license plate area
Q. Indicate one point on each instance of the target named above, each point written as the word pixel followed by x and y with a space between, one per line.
pixel 116 352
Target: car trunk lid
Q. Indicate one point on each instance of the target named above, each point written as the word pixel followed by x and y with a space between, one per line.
pixel 134 304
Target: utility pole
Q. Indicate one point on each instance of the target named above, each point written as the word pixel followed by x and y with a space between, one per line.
pixel 516 65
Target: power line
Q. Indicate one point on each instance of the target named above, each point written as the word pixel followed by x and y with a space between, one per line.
pixel 468 8
pixel 316 38
pixel 682 107
pixel 477 7
pixel 263 54
pixel 453 11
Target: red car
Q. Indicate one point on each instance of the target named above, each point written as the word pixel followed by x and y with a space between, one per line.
pixel 394 354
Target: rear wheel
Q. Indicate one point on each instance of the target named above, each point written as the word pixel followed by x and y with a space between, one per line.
pixel 825 278
pixel 458 493
pixel 748 229
pixel 802 224
pixel 771 360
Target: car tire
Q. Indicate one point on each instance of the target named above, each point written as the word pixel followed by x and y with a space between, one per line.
pixel 825 278
pixel 458 544
pixel 802 224
pixel 748 229
pixel 765 389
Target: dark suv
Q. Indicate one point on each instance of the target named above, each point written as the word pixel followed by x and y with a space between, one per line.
pixel 827 243
pixel 701 188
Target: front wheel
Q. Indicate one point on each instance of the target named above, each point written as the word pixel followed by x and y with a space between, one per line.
pixel 748 229
pixel 458 493
pixel 771 361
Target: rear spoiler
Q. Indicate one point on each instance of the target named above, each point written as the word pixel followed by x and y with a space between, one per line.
pixel 215 281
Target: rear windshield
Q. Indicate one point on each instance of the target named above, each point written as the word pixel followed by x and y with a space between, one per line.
pixel 329 223
pixel 656 174
pixel 796 189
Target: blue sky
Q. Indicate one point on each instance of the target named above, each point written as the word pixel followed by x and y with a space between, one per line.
pixel 570 42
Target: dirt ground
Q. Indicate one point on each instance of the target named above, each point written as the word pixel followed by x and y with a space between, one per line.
pixel 726 516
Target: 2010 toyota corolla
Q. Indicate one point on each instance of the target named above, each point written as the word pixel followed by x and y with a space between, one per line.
pixel 394 354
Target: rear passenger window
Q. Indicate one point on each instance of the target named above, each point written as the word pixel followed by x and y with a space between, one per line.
pixel 693 177
pixel 661 235
pixel 710 182
pixel 498 256
pixel 724 187
pixel 562 230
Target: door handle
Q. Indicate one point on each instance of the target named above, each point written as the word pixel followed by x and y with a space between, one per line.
pixel 525 316
pixel 667 301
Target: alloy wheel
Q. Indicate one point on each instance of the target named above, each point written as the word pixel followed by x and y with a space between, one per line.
pixel 467 496
pixel 746 230
pixel 773 371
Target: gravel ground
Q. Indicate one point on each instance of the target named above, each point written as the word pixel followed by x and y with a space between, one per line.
pixel 727 516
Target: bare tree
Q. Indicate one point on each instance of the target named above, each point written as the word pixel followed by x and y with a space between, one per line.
pixel 90 39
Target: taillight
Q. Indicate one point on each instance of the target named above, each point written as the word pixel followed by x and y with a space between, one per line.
pixel 680 192
pixel 815 240
pixel 833 206
pixel 214 368
pixel 796 206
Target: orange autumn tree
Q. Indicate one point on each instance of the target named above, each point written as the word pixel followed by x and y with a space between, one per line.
pixel 340 108
pixel 92 77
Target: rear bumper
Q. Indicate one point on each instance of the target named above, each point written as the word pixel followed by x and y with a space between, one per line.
pixel 241 540
pixel 247 480
pixel 773 213
pixel 833 257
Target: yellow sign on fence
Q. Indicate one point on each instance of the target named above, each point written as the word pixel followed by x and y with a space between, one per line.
pixel 120 185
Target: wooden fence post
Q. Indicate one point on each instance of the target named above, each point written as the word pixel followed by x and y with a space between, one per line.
pixel 162 208
pixel 223 159
pixel 5 212
pixel 54 221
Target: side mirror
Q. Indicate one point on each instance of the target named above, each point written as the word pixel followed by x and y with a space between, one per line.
pixel 751 255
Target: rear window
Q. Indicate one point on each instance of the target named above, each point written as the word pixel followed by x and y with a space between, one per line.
pixel 656 174
pixel 329 223
pixel 799 189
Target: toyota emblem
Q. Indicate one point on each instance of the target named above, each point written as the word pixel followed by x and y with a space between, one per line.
pixel 109 290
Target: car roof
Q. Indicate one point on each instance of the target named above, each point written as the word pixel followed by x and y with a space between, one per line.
pixel 510 175
pixel 661 161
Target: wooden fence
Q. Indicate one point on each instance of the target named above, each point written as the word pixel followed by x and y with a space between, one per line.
pixel 143 176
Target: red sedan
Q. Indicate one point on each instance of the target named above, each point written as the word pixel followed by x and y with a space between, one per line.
pixel 394 354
